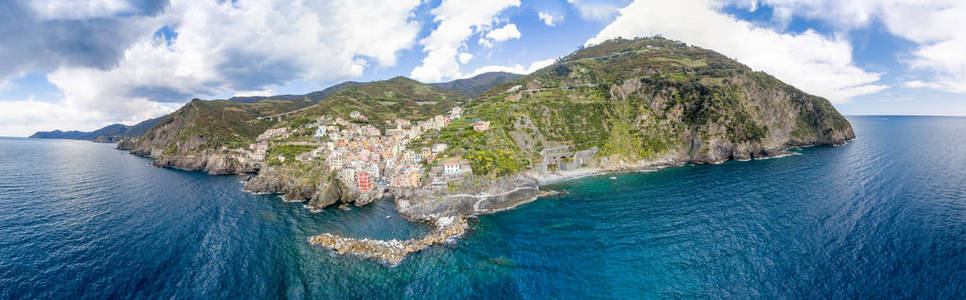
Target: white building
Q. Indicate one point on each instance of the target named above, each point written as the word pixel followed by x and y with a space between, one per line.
pixel 373 170
pixel 451 166
pixel 438 148
pixel 455 113
pixel 412 157
pixel 348 175
pixel 370 130
pixel 272 133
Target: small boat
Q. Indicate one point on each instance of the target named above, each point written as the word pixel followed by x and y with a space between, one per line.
pixel 613 178
pixel 387 216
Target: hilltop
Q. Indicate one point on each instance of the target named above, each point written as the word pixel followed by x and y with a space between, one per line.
pixel 476 85
pixel 646 99
pixel 469 87
pixel 386 100
pixel 313 96
pixel 198 135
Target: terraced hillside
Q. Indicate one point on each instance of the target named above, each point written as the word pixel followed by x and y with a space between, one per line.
pixel 383 101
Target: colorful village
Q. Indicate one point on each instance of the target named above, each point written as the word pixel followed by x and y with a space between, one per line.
pixel 365 158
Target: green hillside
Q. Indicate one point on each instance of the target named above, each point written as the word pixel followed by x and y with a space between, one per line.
pixel 476 85
pixel 383 101
pixel 640 99
pixel 625 101
pixel 203 125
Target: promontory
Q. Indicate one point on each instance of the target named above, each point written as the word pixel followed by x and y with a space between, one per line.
pixel 445 154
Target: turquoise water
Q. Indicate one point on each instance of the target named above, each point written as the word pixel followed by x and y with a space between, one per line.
pixel 883 217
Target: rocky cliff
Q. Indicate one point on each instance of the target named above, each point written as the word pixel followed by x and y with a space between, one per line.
pixel 127 144
pixel 626 105
pixel 313 184
pixel 641 101
pixel 200 135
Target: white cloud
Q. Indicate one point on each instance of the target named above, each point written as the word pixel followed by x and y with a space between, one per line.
pixel 222 47
pixel 24 117
pixel 5 84
pixel 507 32
pixel 596 10
pixel 21 118
pixel 518 69
pixel 458 20
pixel 265 92
pixel 809 61
pixel 915 84
pixel 936 26
pixel 465 57
pixel 74 9
pixel 548 18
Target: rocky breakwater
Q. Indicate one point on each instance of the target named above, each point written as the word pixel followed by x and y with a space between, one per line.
pixel 392 251
pixel 447 208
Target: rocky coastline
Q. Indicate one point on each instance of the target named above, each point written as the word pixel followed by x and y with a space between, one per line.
pixel 323 192
pixel 447 211
pixel 212 162
pixel 500 195
pixel 669 104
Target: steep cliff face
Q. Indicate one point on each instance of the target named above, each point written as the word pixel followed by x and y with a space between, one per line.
pixel 311 183
pixel 127 144
pixel 641 102
pixel 197 136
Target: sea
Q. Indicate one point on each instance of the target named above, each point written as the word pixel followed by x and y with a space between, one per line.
pixel 881 217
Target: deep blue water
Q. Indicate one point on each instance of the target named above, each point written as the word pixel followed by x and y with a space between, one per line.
pixel 882 217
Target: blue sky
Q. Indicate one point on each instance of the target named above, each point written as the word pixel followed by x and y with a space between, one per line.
pixel 87 64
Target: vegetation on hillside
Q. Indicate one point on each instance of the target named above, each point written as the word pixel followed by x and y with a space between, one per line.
pixel 630 98
pixel 287 151
pixel 383 101
pixel 476 85
pixel 203 125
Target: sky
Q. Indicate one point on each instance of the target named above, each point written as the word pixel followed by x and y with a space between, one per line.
pixel 82 65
